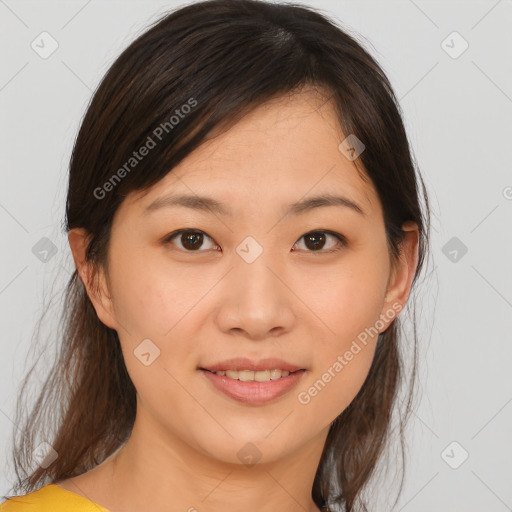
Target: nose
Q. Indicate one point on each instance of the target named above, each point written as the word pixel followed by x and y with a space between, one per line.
pixel 256 300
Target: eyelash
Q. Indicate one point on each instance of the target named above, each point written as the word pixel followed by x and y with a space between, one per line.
pixel 341 239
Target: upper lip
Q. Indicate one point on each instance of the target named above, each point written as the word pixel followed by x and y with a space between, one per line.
pixel 242 363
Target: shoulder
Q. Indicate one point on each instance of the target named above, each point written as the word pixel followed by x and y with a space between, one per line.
pixel 50 498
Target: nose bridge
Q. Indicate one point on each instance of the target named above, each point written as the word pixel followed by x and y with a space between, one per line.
pixel 254 298
pixel 255 271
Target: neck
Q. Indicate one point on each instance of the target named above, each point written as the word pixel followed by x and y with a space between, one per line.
pixel 159 468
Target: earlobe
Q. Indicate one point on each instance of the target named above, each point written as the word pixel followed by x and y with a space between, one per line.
pixel 400 282
pixel 92 279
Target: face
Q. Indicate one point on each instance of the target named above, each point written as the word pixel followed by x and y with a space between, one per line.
pixel 259 272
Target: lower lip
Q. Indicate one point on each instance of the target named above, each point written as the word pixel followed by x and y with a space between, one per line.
pixel 253 392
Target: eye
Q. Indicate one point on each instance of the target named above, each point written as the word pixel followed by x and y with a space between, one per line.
pixel 190 239
pixel 315 240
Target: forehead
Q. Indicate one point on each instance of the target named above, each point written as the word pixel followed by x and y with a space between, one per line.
pixel 280 152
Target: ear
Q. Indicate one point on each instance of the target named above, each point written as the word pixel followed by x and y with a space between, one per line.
pixel 402 274
pixel 93 278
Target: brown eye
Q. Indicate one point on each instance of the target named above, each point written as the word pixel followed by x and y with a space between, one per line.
pixel 315 241
pixel 190 240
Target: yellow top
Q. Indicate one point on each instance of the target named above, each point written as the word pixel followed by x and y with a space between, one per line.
pixel 50 498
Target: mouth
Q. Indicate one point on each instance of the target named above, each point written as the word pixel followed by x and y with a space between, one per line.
pixel 253 387
pixel 254 375
pixel 248 370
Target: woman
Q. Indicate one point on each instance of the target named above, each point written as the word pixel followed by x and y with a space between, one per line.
pixel 245 220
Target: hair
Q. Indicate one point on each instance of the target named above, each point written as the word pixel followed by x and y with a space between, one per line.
pixel 194 72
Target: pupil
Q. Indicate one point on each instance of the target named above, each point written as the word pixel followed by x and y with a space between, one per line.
pixel 315 236
pixel 193 240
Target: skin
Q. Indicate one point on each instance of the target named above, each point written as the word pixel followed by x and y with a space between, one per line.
pixel 200 307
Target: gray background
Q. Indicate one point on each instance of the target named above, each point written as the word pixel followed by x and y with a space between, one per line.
pixel 457 110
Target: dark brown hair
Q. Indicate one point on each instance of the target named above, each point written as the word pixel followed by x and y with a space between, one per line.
pixel 222 58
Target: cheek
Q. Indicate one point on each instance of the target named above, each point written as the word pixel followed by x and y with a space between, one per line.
pixel 149 299
pixel 334 386
pixel 349 307
pixel 351 298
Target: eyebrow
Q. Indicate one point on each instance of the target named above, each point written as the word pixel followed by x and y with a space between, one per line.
pixel 211 205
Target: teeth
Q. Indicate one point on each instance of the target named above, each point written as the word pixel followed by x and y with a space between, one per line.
pixel 259 376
